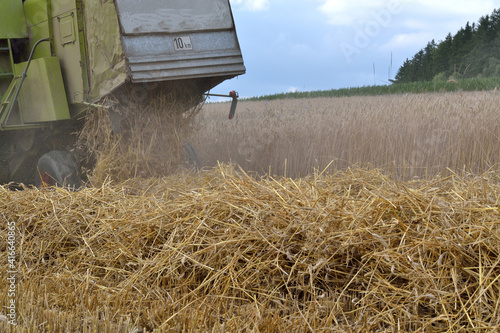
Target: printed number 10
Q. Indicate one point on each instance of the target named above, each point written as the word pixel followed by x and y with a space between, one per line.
pixel 179 43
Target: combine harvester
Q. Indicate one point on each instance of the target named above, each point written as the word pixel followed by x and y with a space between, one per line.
pixel 58 58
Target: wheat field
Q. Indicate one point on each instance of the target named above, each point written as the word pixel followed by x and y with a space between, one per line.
pixel 407 136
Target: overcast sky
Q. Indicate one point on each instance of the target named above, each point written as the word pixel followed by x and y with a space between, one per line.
pixel 305 45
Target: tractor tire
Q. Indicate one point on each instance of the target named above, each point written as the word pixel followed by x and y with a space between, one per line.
pixel 57 168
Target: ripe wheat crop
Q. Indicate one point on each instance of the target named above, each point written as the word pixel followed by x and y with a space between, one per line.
pixel 408 136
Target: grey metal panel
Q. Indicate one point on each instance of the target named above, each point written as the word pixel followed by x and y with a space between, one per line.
pixel 179 39
pixel 153 57
pixel 170 16
pixel 158 45
pixel 198 70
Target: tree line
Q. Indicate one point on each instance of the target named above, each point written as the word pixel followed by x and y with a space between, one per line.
pixel 474 51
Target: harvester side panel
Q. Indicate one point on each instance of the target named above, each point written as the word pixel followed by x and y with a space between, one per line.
pixel 177 40
pixel 12 20
pixel 160 16
pixel 68 48
pixel 153 58
pixel 106 61
pixel 43 96
pixel 37 19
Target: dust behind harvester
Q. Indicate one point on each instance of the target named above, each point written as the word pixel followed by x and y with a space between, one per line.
pixel 63 60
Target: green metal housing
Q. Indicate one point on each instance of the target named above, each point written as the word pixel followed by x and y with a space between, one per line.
pixel 12 18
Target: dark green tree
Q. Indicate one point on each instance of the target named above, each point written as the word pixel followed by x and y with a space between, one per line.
pixel 474 50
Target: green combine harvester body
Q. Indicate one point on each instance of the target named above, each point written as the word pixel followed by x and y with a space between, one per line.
pixel 58 57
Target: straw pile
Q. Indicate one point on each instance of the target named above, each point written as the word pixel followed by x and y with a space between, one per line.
pixel 223 251
pixel 154 123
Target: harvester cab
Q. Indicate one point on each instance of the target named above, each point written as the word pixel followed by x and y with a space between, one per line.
pixel 58 57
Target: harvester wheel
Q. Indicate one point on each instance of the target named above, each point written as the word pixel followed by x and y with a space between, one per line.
pixel 57 168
